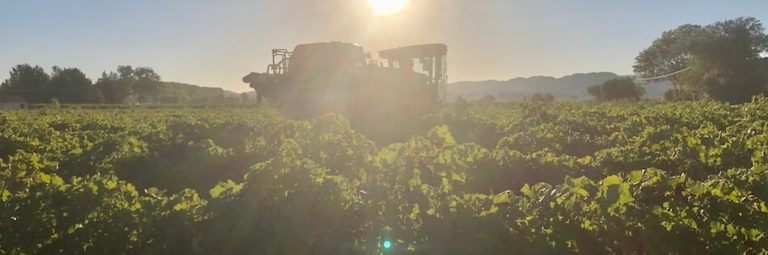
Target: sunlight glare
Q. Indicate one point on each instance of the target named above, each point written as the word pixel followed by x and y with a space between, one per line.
pixel 386 7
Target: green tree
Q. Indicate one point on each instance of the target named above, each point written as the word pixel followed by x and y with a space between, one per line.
pixel 71 86
pixel 672 52
pixel 147 83
pixel 723 60
pixel 617 89
pixel 142 82
pixel 114 89
pixel 28 82
pixel 728 65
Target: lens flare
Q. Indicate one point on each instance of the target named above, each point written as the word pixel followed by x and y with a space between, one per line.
pixel 386 7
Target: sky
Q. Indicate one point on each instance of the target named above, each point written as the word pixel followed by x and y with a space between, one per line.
pixel 216 43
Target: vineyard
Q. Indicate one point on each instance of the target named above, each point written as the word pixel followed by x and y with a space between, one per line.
pixel 488 178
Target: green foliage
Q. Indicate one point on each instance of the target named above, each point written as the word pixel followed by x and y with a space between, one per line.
pixel 512 178
pixel 617 89
pixel 126 85
pixel 722 60
pixel 728 61
pixel 27 82
pixel 70 85
pixel 115 89
pixel 672 52
pixel 145 83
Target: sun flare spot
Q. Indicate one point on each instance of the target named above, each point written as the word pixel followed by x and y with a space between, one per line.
pixel 387 7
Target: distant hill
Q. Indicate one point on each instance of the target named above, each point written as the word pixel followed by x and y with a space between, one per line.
pixel 571 87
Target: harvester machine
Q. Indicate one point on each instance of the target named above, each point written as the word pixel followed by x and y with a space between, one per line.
pixel 317 78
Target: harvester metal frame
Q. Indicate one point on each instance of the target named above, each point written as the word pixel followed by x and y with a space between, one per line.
pixel 281 66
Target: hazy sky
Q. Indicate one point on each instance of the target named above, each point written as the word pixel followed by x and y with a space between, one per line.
pixel 215 43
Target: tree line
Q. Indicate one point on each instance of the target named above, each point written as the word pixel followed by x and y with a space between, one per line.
pixel 725 61
pixel 72 86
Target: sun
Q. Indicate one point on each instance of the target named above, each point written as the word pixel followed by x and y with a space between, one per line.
pixel 386 7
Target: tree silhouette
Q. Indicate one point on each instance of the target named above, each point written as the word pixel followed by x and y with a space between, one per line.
pixel 147 83
pixel 114 89
pixel 729 65
pixel 723 60
pixel 140 81
pixel 672 52
pixel 616 89
pixel 71 86
pixel 27 82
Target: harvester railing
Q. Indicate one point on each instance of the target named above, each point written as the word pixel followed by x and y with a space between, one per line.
pixel 280 61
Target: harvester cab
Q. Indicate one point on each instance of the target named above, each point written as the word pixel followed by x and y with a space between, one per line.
pixel 321 77
pixel 429 60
